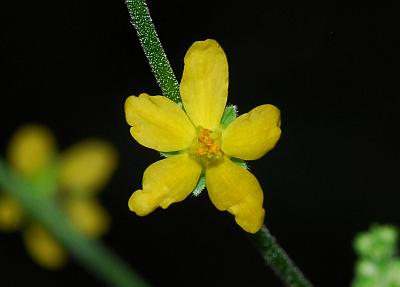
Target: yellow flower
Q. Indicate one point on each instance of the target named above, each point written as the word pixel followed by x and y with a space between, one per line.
pixel 204 146
pixel 71 179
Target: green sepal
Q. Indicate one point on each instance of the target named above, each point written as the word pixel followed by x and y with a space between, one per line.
pixel 201 184
pixel 230 113
pixel 240 162
pixel 168 154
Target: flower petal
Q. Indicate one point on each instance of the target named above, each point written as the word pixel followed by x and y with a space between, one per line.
pixel 88 216
pixel 44 248
pixel 31 149
pixel 158 123
pixel 236 190
pixel 204 84
pixel 253 134
pixel 11 214
pixel 164 182
pixel 87 166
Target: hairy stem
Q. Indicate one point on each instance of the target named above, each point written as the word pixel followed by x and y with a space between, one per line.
pixel 153 49
pixel 278 260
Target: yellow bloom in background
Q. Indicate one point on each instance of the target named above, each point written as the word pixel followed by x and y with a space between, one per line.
pixel 202 144
pixel 71 178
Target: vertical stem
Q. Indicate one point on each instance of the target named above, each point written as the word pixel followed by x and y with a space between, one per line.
pixel 153 49
pixel 278 260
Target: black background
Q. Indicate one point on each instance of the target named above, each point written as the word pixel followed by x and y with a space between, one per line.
pixel 328 67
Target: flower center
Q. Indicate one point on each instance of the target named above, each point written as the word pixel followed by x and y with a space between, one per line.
pixel 207 146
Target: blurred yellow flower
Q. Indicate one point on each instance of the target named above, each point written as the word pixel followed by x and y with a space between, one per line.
pixel 70 178
pixel 204 146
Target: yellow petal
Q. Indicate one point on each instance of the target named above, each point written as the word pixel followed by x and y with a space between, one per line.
pixel 164 182
pixel 158 123
pixel 31 149
pixel 87 166
pixel 44 248
pixel 204 84
pixel 233 188
pixel 88 216
pixel 253 134
pixel 11 214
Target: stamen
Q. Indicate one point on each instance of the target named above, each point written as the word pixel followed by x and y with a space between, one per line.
pixel 207 147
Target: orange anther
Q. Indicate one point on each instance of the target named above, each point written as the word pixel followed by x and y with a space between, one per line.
pixel 207 147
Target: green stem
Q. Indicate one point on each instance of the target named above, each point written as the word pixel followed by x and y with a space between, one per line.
pixel 92 254
pixel 278 260
pixel 153 49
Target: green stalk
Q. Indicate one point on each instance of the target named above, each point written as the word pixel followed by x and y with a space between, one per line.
pixel 92 254
pixel 153 49
pixel 278 260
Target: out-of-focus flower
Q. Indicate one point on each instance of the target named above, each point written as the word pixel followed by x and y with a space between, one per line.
pixel 204 144
pixel 71 178
pixel 378 264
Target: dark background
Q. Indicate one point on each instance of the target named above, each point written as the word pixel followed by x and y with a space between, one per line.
pixel 328 67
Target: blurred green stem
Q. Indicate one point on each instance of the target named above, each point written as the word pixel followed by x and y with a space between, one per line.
pixel 272 253
pixel 153 49
pixel 92 254
pixel 278 260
